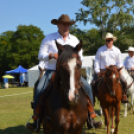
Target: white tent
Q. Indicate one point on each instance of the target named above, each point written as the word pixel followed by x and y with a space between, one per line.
pixel 33 75
pixel 87 70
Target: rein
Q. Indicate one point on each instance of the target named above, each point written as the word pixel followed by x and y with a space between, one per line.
pixel 65 92
pixel 106 84
pixel 110 89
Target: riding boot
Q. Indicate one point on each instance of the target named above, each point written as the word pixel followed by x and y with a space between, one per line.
pixel 124 98
pixel 94 124
pixel 37 114
pixel 35 126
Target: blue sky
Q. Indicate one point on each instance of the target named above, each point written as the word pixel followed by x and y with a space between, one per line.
pixel 38 13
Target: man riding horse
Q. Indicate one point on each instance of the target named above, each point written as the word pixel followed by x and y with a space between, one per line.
pixel 129 62
pixel 49 54
pixel 107 55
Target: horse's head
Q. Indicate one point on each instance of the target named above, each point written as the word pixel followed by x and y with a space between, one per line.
pixel 112 78
pixel 69 68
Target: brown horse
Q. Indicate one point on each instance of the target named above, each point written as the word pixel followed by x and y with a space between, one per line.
pixel 110 95
pixel 66 106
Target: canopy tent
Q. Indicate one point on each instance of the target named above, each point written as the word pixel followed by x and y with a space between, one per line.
pixel 33 75
pixel 86 71
pixel 18 70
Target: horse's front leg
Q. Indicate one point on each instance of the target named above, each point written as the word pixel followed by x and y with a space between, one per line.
pixel 117 112
pixel 101 113
pixel 106 119
pixel 112 116
pixel 132 99
pixel 125 110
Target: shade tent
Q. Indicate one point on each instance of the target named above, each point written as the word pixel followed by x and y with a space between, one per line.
pixel 18 70
pixel 33 75
pixel 87 70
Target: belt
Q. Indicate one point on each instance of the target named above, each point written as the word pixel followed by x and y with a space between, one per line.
pixel 102 70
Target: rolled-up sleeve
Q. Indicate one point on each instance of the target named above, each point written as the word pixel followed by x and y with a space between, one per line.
pixel 97 62
pixel 119 60
pixel 44 50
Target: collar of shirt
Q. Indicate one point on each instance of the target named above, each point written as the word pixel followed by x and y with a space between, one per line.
pixel 131 57
pixel 59 35
pixel 112 49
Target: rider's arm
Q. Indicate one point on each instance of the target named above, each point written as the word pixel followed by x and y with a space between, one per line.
pixel 97 62
pixel 44 50
pixel 119 60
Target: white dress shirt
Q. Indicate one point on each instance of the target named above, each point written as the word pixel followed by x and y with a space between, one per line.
pixel 106 57
pixel 48 46
pixel 129 62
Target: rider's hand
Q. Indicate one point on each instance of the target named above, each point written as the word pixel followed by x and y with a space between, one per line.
pixel 98 74
pixel 132 68
pixel 53 55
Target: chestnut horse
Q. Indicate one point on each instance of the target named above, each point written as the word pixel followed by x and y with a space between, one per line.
pixel 110 95
pixel 66 106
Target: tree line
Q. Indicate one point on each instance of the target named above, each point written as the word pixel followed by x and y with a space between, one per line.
pixel 21 47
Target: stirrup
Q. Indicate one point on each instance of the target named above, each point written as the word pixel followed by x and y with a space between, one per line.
pixel 28 121
pixel 92 121
pixel 99 118
pixel 37 123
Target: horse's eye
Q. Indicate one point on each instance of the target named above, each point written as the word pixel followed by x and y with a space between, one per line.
pixel 118 80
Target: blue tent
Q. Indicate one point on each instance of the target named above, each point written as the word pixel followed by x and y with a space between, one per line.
pixel 18 70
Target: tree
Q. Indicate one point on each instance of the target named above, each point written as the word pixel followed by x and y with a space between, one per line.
pixel 26 41
pixel 107 15
pixel 20 47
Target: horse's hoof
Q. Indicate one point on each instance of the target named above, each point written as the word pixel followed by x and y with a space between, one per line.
pixel 112 130
pixel 125 116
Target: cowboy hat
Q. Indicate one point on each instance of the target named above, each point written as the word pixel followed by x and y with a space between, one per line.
pixel 63 18
pixel 130 49
pixel 110 36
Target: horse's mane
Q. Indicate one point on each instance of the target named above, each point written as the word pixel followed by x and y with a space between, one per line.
pixel 66 54
pixel 113 68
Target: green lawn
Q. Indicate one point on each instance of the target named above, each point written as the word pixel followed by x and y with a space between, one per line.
pixel 15 110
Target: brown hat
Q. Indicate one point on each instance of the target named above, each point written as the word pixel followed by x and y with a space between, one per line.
pixel 63 18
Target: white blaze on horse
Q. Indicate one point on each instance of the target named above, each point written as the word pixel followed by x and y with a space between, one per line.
pixel 130 90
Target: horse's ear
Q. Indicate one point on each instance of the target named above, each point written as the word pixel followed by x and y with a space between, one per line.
pixel 79 46
pixel 119 69
pixel 59 46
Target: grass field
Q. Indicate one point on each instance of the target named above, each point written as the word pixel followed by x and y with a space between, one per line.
pixel 15 110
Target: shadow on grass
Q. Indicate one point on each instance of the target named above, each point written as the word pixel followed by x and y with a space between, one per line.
pixel 15 130
pixel 22 130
